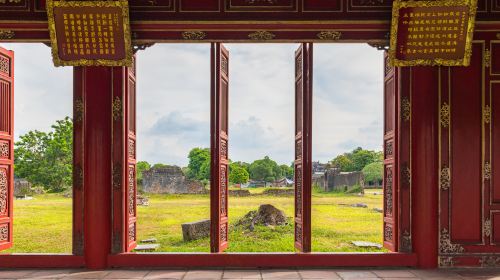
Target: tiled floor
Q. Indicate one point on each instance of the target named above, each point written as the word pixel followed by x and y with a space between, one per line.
pixel 181 274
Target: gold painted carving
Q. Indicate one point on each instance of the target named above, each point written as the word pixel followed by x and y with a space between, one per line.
pixel 487 58
pixel 261 36
pixel 498 36
pixel 445 245
pixel 4 232
pixel 487 227
pixel 329 35
pixel 445 115
pixel 446 262
pixel 7 34
pixel 406 109
pixel 487 171
pixel 117 108
pixel 123 4
pixel 399 4
pixel 194 35
pixel 487 114
pixel 444 179
pixel 489 261
pixel 78 110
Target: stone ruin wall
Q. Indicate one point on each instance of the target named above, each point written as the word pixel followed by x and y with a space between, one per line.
pixel 170 180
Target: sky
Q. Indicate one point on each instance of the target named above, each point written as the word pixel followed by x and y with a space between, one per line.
pixel 173 95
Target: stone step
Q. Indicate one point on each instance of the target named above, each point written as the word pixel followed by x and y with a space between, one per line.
pixel 150 240
pixel 147 247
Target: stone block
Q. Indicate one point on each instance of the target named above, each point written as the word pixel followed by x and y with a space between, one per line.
pixel 195 230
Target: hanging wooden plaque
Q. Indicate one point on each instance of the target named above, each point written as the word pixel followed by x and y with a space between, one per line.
pixel 90 33
pixel 432 32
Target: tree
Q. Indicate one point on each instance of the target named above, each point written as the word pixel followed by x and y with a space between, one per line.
pixel 141 167
pixel 343 162
pixel 46 159
pixel 199 164
pixel 374 172
pixel 238 174
pixel 265 170
pixel 287 171
pixel 160 165
pixel 356 160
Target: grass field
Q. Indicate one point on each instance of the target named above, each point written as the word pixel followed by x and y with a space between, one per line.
pixel 43 225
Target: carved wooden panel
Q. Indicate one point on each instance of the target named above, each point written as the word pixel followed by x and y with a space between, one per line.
pixel 261 5
pixel 5 101
pixel 131 148
pixel 388 191
pixel 389 100
pixel 370 5
pixel 5 149
pixel 322 6
pixel 4 192
pixel 494 61
pixel 4 233
pixel 152 5
pixel 4 65
pixel 199 6
pixel 14 5
pixel 131 190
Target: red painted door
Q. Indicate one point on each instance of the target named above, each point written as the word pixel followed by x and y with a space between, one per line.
pixel 6 146
pixel 130 155
pixel 303 139
pixel 390 155
pixel 219 148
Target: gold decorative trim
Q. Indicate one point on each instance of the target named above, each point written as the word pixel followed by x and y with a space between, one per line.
pixel 445 245
pixel 487 58
pixel 406 109
pixel 123 4
pixel 445 115
pixel 490 261
pixel 447 262
pixel 194 35
pixel 399 4
pixel 117 108
pixel 487 227
pixel 498 36
pixel 261 36
pixel 7 34
pixel 79 109
pixel 444 179
pixel 487 114
pixel 329 35
pixel 487 171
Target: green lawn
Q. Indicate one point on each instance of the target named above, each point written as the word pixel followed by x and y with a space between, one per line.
pixel 43 225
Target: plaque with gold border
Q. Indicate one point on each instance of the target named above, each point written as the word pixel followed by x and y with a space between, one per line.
pixel 118 50
pixel 402 46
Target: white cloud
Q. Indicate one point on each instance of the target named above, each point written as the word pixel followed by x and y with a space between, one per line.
pixel 173 98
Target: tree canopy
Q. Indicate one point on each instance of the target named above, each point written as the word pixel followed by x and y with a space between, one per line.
pixel 238 174
pixel 356 160
pixel 199 164
pixel 265 169
pixel 46 158
pixel 373 172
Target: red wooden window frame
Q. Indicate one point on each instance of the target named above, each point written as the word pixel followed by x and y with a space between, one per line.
pixel 7 147
pixel 219 148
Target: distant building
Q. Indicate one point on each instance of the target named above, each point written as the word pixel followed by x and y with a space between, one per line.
pixel 334 180
pixel 170 180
